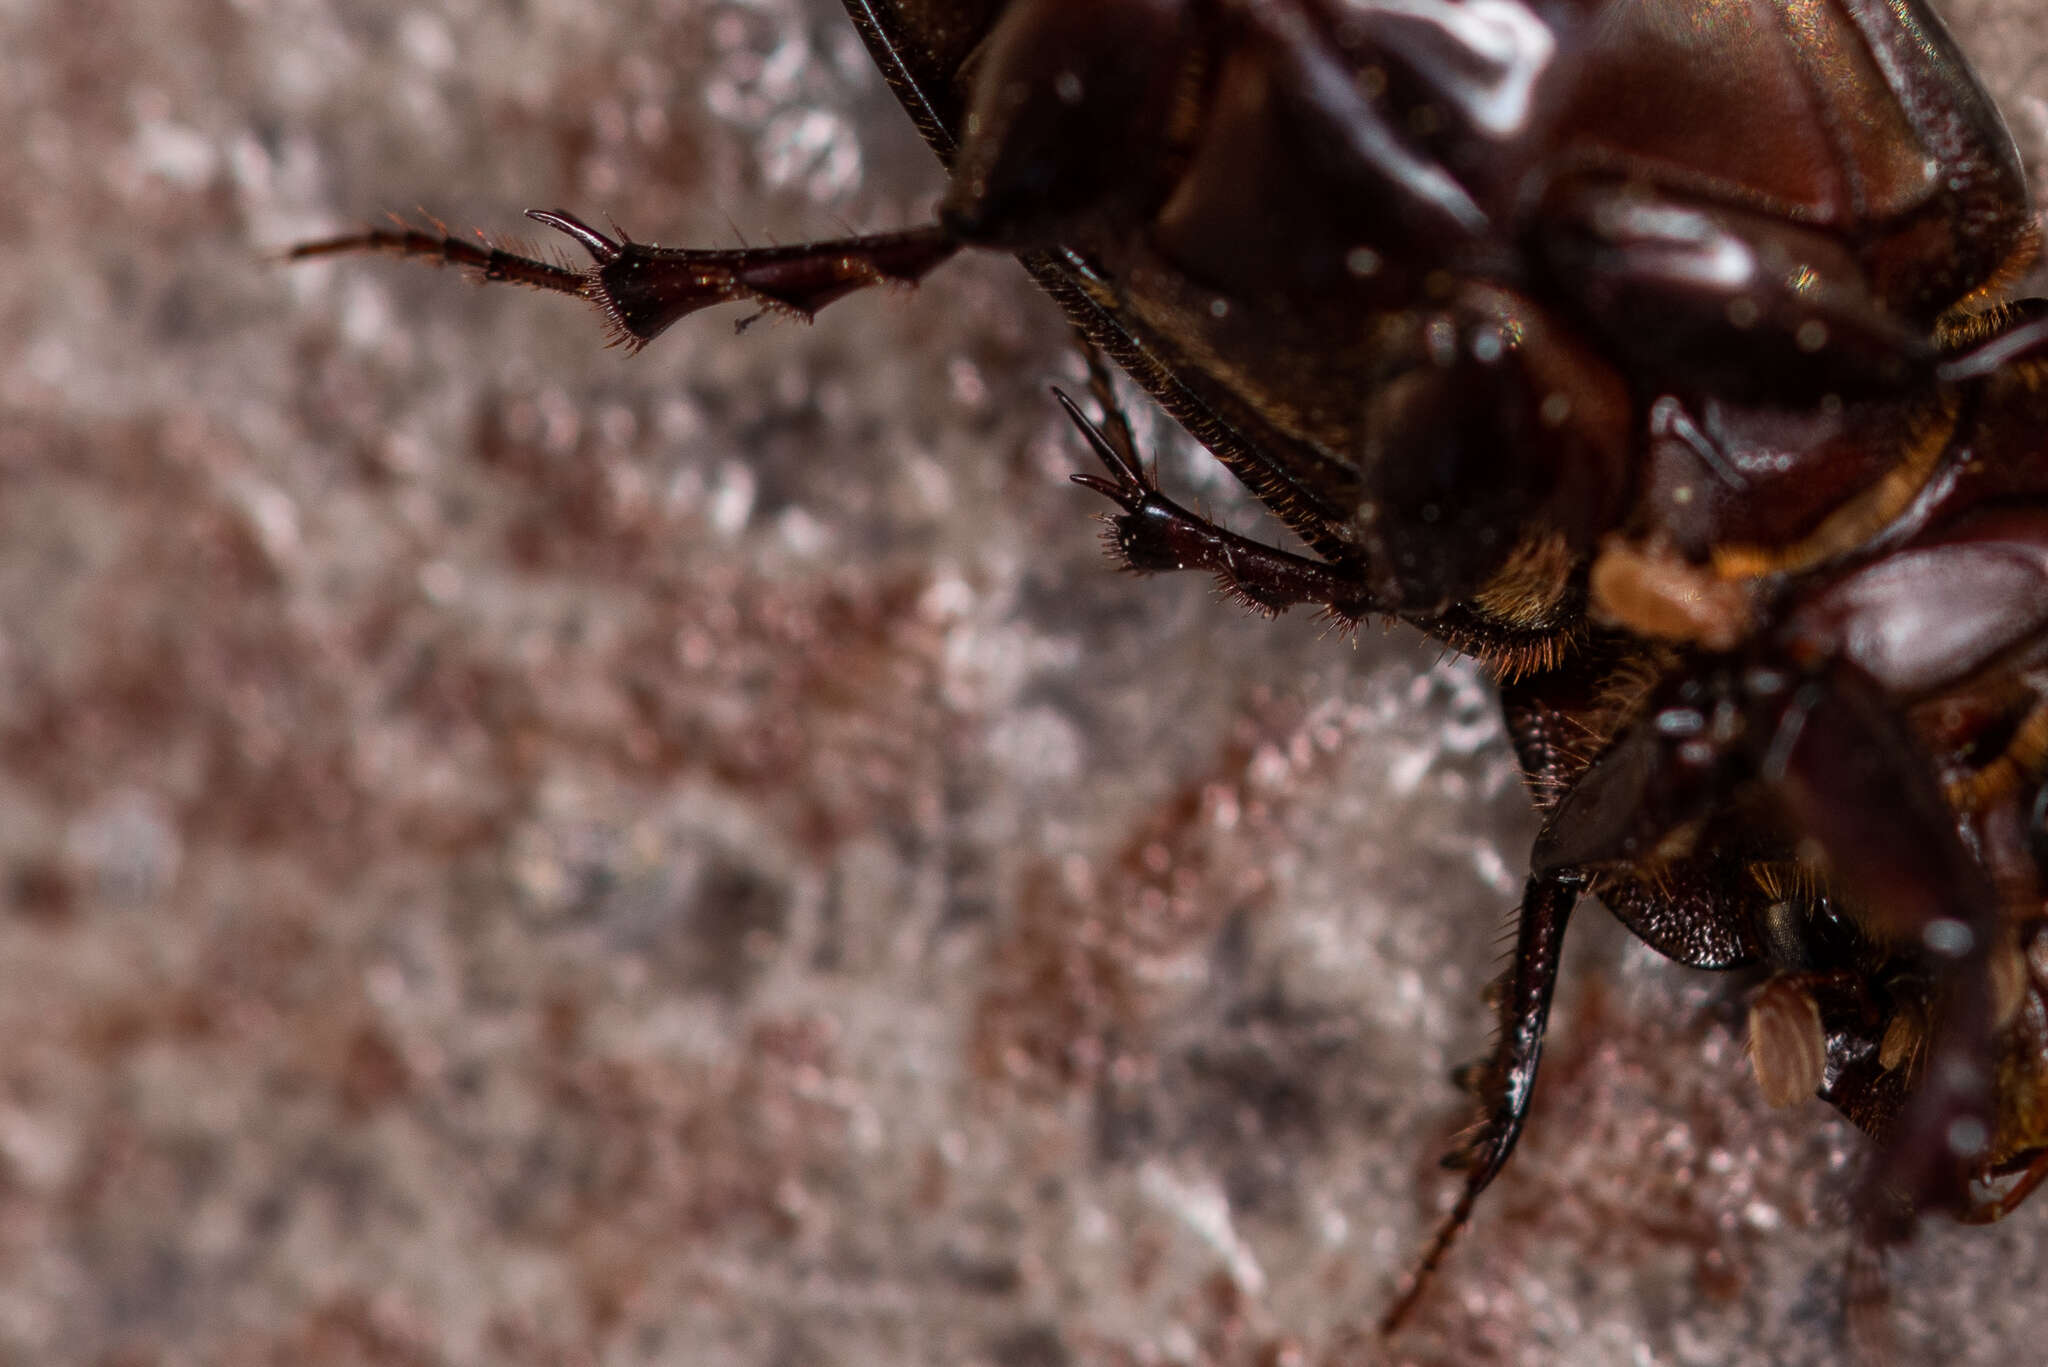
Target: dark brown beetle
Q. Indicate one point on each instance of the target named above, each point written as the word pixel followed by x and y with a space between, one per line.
pixel 1654 351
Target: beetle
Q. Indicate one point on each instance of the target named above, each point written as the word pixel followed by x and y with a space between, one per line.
pixel 1660 356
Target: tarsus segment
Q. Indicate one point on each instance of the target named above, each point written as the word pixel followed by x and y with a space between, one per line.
pixel 643 289
pixel 435 243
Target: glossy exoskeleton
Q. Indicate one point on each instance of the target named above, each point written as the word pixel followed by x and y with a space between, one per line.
pixel 1658 353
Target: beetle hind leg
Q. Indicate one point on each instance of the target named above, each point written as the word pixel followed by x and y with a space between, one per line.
pixel 643 289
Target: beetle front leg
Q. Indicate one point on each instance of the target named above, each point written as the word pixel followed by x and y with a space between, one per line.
pixel 1154 534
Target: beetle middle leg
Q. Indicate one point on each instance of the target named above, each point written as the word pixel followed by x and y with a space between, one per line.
pixel 1744 747
pixel 1508 1079
pixel 1829 764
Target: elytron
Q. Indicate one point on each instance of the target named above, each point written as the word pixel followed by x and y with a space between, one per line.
pixel 1660 353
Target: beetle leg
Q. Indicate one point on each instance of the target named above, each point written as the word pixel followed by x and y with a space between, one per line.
pixel 2023 342
pixel 484 258
pixel 1510 1075
pixel 1070 100
pixel 1155 534
pixel 1984 188
pixel 1989 1209
pixel 1829 751
pixel 1692 285
pixel 1866 1303
pixel 1851 780
pixel 643 289
pixel 1115 427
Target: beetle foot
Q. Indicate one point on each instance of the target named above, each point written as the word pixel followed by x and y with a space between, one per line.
pixel 487 259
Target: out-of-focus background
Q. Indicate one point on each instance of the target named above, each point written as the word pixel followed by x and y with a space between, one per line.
pixel 517 854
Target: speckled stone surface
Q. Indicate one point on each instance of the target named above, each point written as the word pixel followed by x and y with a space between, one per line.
pixel 518 854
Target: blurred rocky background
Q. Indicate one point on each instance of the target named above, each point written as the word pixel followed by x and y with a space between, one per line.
pixel 515 854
